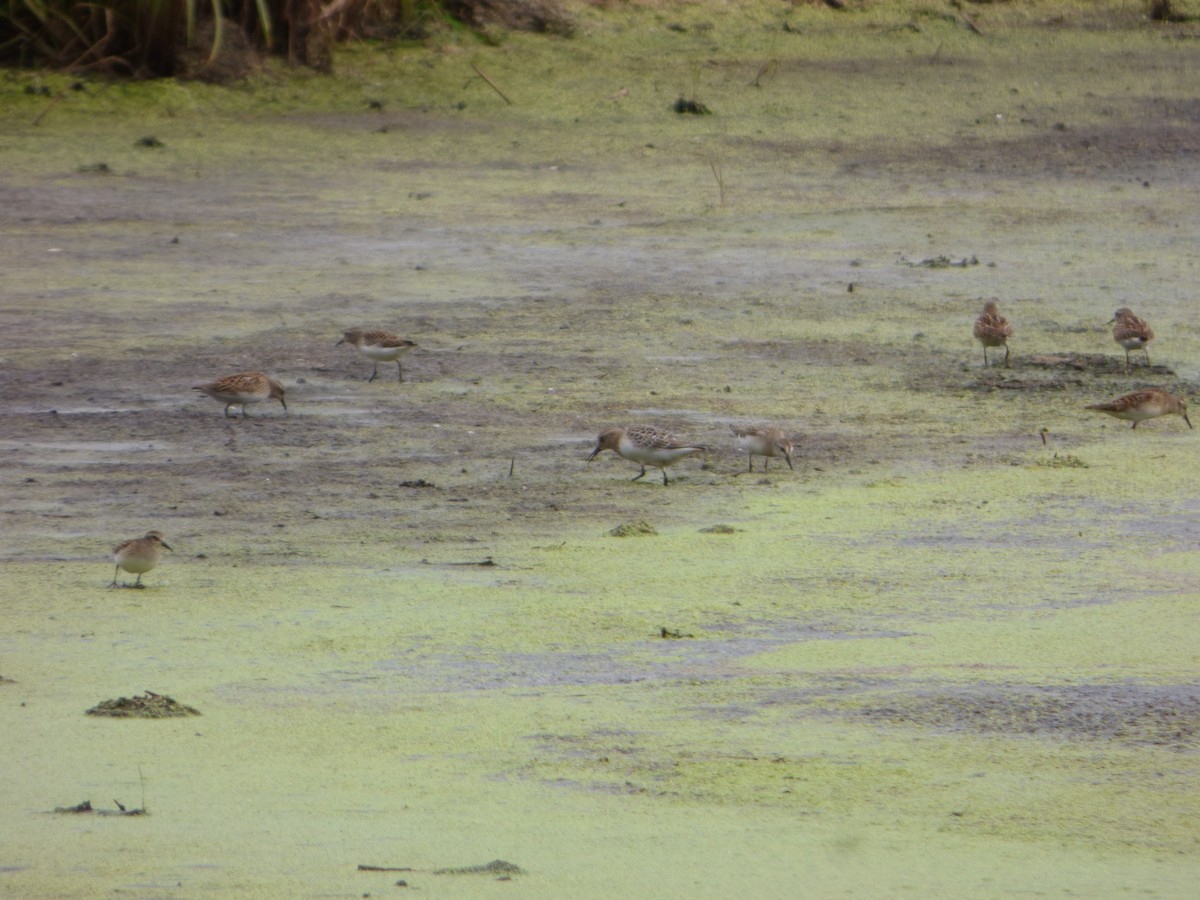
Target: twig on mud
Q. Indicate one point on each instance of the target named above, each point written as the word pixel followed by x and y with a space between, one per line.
pixel 54 101
pixel 365 868
pixel 718 170
pixel 768 66
pixel 512 464
pixel 491 84
pixel 970 23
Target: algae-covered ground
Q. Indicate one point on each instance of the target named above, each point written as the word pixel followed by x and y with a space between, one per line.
pixel 952 655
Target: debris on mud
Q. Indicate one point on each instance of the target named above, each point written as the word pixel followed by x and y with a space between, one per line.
pixel 633 529
pixel 719 529
pixel 496 867
pixel 86 807
pixel 669 635
pixel 147 706
pixel 1066 461
pixel 684 106
pixel 418 483
pixel 942 262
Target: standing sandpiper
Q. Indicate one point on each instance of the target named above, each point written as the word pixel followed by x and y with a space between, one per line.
pixel 765 441
pixel 378 346
pixel 1131 332
pixel 992 330
pixel 138 556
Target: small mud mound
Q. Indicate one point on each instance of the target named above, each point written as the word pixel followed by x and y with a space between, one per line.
pixel 148 706
pixel 1162 715
pixel 498 867
pixel 1096 363
pixel 633 529
pixel 86 807
pixel 1060 371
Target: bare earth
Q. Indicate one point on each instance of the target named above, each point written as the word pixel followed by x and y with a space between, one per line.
pixel 951 655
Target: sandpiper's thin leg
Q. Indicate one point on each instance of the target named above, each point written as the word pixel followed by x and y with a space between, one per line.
pixel 639 474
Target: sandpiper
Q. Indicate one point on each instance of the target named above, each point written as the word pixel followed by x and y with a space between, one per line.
pixel 992 330
pixel 138 556
pixel 1131 332
pixel 646 445
pixel 765 441
pixel 243 389
pixel 1149 403
pixel 378 346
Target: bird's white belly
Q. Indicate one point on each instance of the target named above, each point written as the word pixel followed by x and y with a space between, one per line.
pixel 652 456
pixel 137 565
pixel 755 444
pixel 382 354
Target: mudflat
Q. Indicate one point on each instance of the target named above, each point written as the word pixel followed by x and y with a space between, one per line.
pixel 952 654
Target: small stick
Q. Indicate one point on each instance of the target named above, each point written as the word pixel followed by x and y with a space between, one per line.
pixel 366 868
pixel 54 101
pixel 512 463
pixel 491 83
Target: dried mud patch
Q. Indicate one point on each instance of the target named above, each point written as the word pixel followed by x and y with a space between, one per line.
pixel 1049 145
pixel 1134 714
